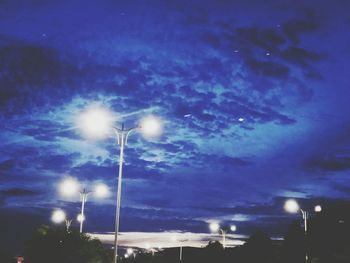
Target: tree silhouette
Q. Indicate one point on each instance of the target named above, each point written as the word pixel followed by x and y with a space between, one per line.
pixel 294 244
pixel 56 245
pixel 258 249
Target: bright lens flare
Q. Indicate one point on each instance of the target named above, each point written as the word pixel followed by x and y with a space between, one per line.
pixel 58 216
pixel 291 206
pixel 101 191
pixel 318 208
pixel 95 123
pixel 214 227
pixel 69 187
pixel 233 228
pixel 151 127
pixel 81 218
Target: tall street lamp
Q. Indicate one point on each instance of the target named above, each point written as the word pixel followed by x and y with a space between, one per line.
pixel 70 186
pixel 215 227
pixel 292 206
pixel 96 122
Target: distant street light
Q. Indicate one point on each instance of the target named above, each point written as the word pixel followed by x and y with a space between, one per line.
pixel 318 208
pixel 97 123
pixel 215 227
pixel 292 206
pixel 70 186
pixel 59 216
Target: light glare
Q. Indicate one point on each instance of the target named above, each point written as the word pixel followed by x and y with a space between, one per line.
pixel 69 187
pixel 95 123
pixel 81 218
pixel 214 227
pixel 318 208
pixel 101 191
pixel 151 127
pixel 58 216
pixel 291 206
pixel 233 228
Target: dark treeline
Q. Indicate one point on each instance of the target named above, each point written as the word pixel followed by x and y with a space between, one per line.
pixel 328 241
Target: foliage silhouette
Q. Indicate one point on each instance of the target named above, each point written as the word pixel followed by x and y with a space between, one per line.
pixel 56 245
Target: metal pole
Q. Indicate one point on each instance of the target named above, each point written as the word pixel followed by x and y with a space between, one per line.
pixel 83 200
pixel 305 215
pixel 180 253
pixel 121 142
pixel 223 238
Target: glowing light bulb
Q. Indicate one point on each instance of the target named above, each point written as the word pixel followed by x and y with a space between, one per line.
pixel 291 206
pixel 214 227
pixel 69 186
pixel 151 126
pixel 95 122
pixel 58 216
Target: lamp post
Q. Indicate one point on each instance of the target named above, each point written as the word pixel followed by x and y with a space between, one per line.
pixel 292 206
pixel 70 186
pixel 96 122
pixel 122 136
pixel 81 218
pixel 215 227
pixel 59 216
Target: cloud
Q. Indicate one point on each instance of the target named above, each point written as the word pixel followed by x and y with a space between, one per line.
pixel 296 27
pixel 300 55
pixel 268 68
pixel 329 163
pixel 18 192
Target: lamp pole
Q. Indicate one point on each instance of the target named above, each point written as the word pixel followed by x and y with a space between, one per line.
pixel 122 136
pixel 83 196
pixel 305 217
pixel 223 233
pixel 293 207
pixel 181 247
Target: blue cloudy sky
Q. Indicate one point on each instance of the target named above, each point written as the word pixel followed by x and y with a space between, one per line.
pixel 253 94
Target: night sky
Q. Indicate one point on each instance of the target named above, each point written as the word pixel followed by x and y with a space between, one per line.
pixel 254 98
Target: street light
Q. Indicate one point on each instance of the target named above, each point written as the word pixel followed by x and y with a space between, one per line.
pixel 292 206
pixel 70 186
pixel 59 216
pixel 97 122
pixel 215 227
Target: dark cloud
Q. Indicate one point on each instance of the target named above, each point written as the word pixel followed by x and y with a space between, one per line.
pixel 300 55
pixel 329 163
pixel 295 28
pixel 267 39
pixel 268 68
pixel 18 192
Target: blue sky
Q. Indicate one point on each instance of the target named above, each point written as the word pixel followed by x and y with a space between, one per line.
pixel 254 98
